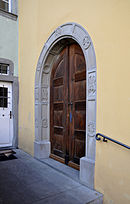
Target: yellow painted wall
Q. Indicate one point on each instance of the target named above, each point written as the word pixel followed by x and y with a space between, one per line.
pixel 108 23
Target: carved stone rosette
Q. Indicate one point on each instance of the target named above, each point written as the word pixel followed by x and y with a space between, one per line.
pixel 44 123
pixel 46 69
pixel 86 42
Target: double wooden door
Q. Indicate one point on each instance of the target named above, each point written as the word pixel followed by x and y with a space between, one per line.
pixel 68 106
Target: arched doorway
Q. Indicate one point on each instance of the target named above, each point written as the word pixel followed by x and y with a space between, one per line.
pixel 63 36
pixel 68 106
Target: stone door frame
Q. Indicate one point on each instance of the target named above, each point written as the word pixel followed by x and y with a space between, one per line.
pixel 65 34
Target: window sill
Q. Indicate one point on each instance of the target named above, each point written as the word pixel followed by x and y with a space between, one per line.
pixel 8 15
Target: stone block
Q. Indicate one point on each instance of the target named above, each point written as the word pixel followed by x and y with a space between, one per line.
pixel 87 167
pixel 41 149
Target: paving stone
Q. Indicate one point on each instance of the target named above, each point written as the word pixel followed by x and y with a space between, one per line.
pixel 26 180
pixel 84 194
pixel 7 196
pixel 62 198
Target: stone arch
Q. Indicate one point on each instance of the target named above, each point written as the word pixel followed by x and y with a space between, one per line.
pixel 63 35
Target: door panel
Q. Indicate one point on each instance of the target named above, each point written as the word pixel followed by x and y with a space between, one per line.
pixel 58 101
pixel 68 105
pixel 79 93
pixel 4 131
pixel 6 120
pixel 77 84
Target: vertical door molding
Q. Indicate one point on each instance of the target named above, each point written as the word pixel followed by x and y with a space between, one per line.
pixel 63 35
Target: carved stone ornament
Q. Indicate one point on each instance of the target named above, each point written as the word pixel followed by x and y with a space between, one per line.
pixel 44 123
pixel 46 69
pixel 44 94
pixel 73 28
pixel 39 65
pixel 36 94
pixel 86 42
pixel 92 84
pixel 45 80
pixel 58 32
pixel 91 128
pixel 36 123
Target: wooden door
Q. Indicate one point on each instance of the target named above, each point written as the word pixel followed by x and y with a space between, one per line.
pixel 68 106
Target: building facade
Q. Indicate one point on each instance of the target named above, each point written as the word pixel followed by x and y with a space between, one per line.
pixel 8 74
pixel 74 83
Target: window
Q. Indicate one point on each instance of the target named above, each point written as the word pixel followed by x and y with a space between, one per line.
pixel 4 69
pixel 5 5
pixel 3 97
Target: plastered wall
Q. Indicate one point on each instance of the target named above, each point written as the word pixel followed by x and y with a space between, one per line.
pixel 9 41
pixel 107 22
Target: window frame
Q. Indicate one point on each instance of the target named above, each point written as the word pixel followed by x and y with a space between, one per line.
pixel 9 2
pixel 2 73
pixel 10 5
pixel 4 98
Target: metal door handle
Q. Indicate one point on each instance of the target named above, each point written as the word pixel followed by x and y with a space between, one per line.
pixel 10 114
pixel 71 103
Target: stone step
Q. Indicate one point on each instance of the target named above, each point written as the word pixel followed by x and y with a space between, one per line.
pixel 7 152
pixel 86 195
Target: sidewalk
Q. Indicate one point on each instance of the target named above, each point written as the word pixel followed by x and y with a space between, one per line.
pixel 27 180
